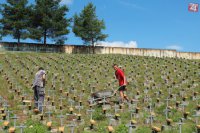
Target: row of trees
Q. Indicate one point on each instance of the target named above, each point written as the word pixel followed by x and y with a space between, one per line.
pixel 48 19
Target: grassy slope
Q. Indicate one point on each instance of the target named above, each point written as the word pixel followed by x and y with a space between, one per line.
pixel 80 72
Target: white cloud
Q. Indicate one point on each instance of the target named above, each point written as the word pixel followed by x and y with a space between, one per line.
pixel 176 47
pixel 66 2
pixel 131 44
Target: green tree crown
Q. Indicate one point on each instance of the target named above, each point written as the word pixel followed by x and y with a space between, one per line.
pixel 48 20
pixel 88 27
pixel 14 19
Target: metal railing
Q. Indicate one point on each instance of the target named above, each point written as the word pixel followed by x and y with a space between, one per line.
pixel 31 49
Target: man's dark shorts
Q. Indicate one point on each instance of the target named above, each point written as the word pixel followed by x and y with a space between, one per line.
pixel 122 88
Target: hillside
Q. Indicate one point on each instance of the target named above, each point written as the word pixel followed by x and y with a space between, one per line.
pixel 162 89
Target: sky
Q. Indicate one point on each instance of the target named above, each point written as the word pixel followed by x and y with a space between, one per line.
pixel 155 24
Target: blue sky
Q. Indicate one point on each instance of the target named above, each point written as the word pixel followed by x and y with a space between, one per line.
pixel 157 24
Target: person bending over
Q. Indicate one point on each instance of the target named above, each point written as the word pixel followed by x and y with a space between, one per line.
pixel 38 87
pixel 120 76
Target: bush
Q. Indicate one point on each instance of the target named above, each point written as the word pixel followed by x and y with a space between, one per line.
pixel 98 115
pixel 34 127
pixel 122 129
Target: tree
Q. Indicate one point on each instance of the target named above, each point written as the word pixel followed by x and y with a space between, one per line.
pixel 88 27
pixel 48 21
pixel 14 19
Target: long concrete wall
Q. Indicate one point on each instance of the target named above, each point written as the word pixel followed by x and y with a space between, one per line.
pixel 74 49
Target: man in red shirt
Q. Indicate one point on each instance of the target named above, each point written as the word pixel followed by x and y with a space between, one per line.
pixel 122 82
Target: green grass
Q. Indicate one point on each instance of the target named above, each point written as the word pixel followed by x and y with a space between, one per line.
pixel 95 71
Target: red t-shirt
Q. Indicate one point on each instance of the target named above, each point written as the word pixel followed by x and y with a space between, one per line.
pixel 120 76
